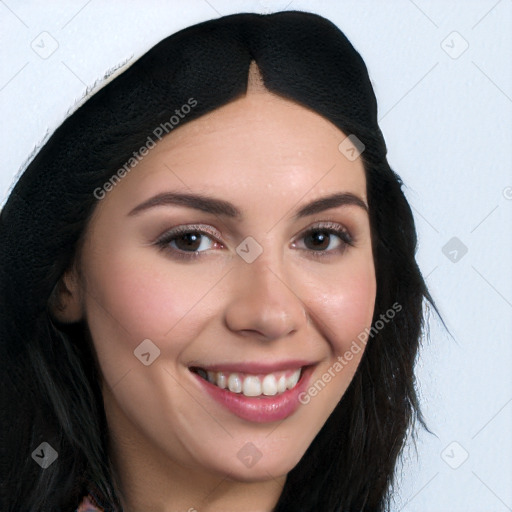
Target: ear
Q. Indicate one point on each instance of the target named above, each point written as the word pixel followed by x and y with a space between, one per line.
pixel 65 302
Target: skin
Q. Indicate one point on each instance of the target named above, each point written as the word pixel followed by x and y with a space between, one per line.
pixel 175 448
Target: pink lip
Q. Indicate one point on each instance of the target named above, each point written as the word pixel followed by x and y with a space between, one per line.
pixel 261 409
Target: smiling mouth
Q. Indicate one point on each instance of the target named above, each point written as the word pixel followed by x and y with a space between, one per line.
pixel 252 385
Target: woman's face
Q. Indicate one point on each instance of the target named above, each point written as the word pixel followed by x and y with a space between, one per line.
pixel 251 298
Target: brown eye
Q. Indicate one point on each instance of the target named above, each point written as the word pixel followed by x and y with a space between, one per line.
pixel 190 242
pixel 186 241
pixel 319 238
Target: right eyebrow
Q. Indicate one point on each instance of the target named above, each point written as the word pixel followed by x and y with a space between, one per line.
pixel 197 201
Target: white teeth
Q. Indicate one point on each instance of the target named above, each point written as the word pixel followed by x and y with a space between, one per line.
pixel 269 385
pixel 293 379
pixel 281 384
pixel 235 383
pixel 222 380
pixel 252 386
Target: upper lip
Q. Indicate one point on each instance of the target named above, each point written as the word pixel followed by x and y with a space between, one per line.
pixel 255 367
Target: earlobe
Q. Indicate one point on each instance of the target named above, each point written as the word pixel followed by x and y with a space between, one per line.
pixel 65 303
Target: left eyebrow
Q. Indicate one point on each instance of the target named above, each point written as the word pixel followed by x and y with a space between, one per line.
pixel 220 207
pixel 331 201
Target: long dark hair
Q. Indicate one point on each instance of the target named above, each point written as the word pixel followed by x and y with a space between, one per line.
pixel 50 376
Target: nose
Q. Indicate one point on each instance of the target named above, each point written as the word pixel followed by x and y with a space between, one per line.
pixel 264 304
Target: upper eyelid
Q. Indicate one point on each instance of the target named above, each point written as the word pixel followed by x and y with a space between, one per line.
pixel 187 228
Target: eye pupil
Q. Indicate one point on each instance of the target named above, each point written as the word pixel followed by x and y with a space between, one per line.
pixel 190 239
pixel 320 236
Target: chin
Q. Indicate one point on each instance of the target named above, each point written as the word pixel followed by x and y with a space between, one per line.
pixel 267 467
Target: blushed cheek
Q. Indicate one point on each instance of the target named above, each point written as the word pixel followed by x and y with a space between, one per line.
pixel 348 309
pixel 148 298
pixel 148 305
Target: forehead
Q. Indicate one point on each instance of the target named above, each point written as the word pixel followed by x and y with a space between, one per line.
pixel 258 151
pixel 258 138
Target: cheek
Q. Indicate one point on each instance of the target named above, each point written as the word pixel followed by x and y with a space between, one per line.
pixel 346 306
pixel 343 311
pixel 129 301
pixel 144 298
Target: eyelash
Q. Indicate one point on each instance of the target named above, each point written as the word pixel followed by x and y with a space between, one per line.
pixel 330 228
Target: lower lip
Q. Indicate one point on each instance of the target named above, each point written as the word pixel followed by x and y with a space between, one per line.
pixel 262 409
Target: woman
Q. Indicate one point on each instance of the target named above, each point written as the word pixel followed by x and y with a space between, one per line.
pixel 268 367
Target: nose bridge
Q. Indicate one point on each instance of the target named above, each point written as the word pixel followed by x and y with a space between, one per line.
pixel 264 276
pixel 264 298
pixel 262 266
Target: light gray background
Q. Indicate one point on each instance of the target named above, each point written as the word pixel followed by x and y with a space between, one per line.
pixel 445 111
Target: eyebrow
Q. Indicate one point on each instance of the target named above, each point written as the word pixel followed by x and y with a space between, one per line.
pixel 216 206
